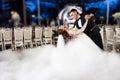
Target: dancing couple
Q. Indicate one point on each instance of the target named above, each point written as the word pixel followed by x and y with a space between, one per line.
pixel 83 25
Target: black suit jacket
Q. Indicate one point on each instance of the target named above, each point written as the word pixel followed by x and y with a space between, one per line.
pixel 92 30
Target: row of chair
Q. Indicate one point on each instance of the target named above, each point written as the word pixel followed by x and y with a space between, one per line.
pixel 111 37
pixel 23 37
pixel 26 36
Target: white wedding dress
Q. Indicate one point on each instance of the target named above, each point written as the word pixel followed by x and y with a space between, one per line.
pixel 79 59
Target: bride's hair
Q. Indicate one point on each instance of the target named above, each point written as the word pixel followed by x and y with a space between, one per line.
pixel 65 35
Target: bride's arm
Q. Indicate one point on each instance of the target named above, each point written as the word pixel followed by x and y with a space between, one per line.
pixel 87 17
pixel 83 28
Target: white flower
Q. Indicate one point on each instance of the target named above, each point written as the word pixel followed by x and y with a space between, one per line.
pixel 116 15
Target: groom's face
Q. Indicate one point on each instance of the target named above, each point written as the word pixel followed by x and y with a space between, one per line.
pixel 74 14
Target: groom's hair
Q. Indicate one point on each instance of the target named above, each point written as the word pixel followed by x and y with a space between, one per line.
pixel 73 10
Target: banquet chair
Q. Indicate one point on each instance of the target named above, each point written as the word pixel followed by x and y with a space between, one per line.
pixel 54 28
pixel 117 39
pixel 102 36
pixel 7 37
pixel 47 35
pixel 1 38
pixel 38 36
pixel 27 37
pixel 109 45
pixel 18 38
pixel 55 34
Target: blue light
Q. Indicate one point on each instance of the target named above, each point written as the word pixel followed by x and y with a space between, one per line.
pixel 102 5
pixel 47 4
pixel 44 5
pixel 31 5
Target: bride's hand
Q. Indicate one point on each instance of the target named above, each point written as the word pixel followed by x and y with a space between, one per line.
pixel 87 17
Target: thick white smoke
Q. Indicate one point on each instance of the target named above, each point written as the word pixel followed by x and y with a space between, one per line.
pixel 73 62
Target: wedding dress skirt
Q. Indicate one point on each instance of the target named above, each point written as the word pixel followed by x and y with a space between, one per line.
pixel 79 59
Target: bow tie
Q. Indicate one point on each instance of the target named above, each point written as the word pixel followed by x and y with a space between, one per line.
pixel 78 19
pixel 76 23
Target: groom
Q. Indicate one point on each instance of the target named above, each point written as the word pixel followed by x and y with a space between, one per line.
pixel 92 30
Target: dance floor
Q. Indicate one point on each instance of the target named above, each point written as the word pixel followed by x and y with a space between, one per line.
pixel 42 63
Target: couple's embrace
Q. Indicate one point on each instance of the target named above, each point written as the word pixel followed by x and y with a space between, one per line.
pixel 83 24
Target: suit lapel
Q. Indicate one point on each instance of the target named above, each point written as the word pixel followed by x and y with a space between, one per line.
pixel 82 20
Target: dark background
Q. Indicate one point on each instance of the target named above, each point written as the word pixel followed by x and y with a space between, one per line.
pixel 51 8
